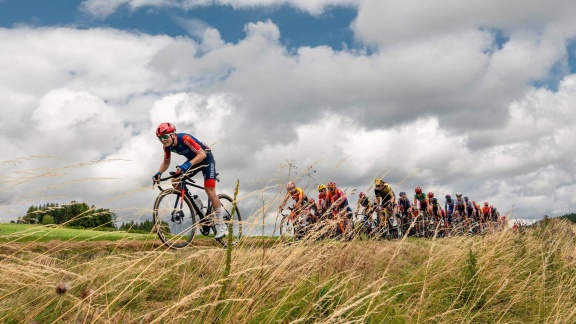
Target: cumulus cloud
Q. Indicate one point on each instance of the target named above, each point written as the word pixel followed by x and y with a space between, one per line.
pixel 384 22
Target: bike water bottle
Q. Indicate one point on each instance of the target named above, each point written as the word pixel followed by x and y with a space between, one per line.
pixel 198 202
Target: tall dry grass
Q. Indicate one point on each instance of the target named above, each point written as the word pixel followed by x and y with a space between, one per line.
pixel 508 277
pixel 524 276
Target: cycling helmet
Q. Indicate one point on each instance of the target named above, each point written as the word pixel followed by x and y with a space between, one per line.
pixel 486 204
pixel 321 187
pixel 165 128
pixel 494 208
pixel 430 194
pixel 418 190
pixel 362 195
pixel 402 194
pixel 448 196
pixel 458 194
pixel 378 182
pixel 331 184
pixel 435 200
pixel 466 198
pixel 290 186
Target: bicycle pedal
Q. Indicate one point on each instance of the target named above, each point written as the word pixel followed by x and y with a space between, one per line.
pixel 205 230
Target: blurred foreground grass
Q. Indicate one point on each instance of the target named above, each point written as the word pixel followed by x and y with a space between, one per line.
pixel 526 276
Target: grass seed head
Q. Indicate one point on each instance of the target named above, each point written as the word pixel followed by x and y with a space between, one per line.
pixel 62 288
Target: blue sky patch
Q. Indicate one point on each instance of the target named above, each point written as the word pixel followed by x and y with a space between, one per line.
pixel 297 28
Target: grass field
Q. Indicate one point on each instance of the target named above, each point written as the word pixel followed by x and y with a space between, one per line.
pixel 524 276
pixel 10 232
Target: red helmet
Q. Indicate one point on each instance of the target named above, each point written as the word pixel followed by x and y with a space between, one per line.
pixel 430 194
pixel 331 184
pixel 418 190
pixel 486 204
pixel 165 128
pixel 361 195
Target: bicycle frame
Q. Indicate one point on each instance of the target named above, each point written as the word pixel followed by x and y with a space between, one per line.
pixel 184 191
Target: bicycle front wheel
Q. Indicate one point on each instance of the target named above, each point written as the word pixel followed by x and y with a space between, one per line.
pixel 174 219
pixel 233 222
pixel 286 227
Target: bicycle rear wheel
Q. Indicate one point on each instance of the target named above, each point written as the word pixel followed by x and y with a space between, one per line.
pixel 174 220
pixel 235 224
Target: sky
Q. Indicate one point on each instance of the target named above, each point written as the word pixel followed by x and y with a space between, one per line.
pixel 477 97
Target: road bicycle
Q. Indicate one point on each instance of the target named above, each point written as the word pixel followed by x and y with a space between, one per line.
pixel 293 225
pixel 178 214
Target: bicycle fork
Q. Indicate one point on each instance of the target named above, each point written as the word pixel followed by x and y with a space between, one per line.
pixel 177 214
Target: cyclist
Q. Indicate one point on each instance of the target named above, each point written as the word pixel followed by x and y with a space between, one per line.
pixel 495 214
pixel 386 201
pixel 501 218
pixel 385 194
pixel 404 205
pixel 449 207
pixel 439 216
pixel 364 203
pixel 297 194
pixel 420 199
pixel 198 158
pixel 469 208
pixel 487 211
pixel 366 206
pixel 430 198
pixel 322 203
pixel 300 199
pixel 435 207
pixel 415 213
pixel 339 205
pixel 460 206
pixel 338 200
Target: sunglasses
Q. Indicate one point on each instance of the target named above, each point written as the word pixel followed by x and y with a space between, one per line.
pixel 331 189
pixel 321 190
pixel 164 137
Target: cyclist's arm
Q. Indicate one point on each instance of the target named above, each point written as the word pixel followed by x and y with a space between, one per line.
pixel 166 162
pixel 196 148
pixel 284 202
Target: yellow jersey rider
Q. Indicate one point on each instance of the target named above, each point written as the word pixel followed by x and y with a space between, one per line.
pixel 386 197
pixel 297 194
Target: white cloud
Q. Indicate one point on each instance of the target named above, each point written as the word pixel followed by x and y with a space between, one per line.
pixel 384 22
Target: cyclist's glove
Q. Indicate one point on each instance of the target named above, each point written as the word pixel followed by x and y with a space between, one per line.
pixel 184 167
pixel 156 177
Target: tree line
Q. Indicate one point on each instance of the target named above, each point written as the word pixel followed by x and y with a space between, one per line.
pixel 137 227
pixel 74 214
pixel 571 217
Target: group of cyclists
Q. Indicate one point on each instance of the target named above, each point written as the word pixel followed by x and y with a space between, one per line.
pixel 382 215
pixel 386 216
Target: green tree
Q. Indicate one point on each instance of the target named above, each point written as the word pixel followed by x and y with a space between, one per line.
pixel 47 219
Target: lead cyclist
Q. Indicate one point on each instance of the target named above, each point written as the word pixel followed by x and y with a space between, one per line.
pixel 198 158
